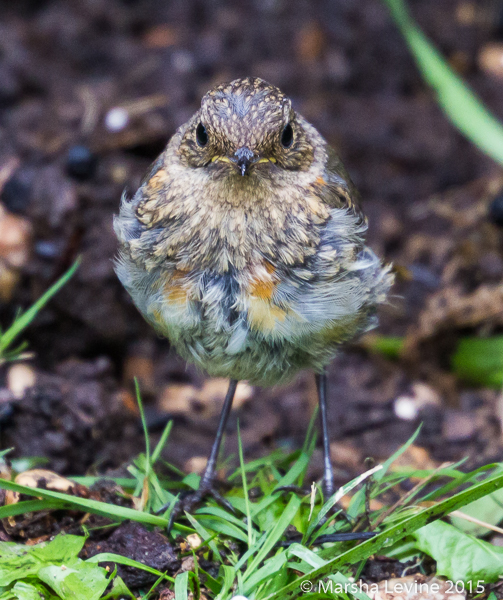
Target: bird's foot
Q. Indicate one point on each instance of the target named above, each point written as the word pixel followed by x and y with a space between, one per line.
pixel 189 501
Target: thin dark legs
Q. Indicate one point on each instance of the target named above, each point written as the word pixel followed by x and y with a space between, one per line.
pixel 328 473
pixel 188 502
pixel 209 472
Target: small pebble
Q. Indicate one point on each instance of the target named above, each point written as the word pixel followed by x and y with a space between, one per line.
pixel 491 59
pixel 495 211
pixel 116 119
pixel 20 377
pixel 47 249
pixel 194 541
pixel 16 193
pixel 406 408
pixel 81 163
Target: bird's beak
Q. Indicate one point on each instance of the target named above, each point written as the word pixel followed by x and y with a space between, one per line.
pixel 244 158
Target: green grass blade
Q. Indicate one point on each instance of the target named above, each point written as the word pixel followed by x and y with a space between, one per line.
pixel 112 511
pixel 27 317
pixel 21 508
pixel 387 463
pixel 456 99
pixel 274 535
pixel 219 525
pixel 182 586
pixel 144 425
pixel 249 524
pixel 392 535
pixel 88 481
pixel 127 562
pixel 296 471
pixel 162 442
pixel 211 583
pixel 255 465
pixel 308 556
pixel 250 552
pixel 228 581
pixel 205 535
pixel 271 566
pixel 216 511
pixel 340 493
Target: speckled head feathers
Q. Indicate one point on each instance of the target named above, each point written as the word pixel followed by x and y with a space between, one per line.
pixel 246 112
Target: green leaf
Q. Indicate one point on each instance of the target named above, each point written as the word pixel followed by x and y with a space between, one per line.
pixel 119 591
pixel 28 591
pixel 384 344
pixel 459 556
pixel 488 509
pixel 459 103
pixel 63 549
pixel 18 561
pixel 480 361
pixel 80 581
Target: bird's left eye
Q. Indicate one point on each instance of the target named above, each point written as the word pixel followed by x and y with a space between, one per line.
pixel 287 136
pixel 201 135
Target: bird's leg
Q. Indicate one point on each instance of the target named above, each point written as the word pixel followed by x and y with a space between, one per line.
pixel 206 488
pixel 209 473
pixel 328 473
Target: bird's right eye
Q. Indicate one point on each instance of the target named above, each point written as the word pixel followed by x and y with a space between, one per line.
pixel 201 135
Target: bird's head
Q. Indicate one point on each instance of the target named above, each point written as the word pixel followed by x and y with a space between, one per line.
pixel 243 128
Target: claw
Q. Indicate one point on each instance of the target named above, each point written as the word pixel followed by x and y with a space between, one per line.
pixel 189 501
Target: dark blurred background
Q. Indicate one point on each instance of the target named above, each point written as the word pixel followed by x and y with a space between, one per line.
pixel 90 92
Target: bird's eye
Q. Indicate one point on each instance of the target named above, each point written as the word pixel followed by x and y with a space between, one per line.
pixel 201 135
pixel 287 136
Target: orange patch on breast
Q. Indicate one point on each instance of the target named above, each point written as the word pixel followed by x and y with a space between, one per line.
pixel 262 312
pixel 264 285
pixel 262 289
pixel 320 180
pixel 175 290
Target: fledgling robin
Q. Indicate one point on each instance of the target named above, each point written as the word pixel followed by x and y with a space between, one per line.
pixel 244 246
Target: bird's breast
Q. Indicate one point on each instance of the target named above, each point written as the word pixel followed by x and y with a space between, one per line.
pixel 220 302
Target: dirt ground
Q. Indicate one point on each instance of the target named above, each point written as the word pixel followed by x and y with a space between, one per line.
pixel 66 66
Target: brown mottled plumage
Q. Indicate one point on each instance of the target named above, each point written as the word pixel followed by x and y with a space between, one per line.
pixel 244 244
